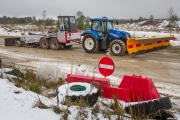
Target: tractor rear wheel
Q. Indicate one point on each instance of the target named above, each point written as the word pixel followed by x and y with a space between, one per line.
pixel 90 44
pixel 44 43
pixel 67 47
pixel 54 45
pixel 117 47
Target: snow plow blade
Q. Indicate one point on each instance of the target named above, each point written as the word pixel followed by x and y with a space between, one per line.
pixel 135 45
pixel 11 41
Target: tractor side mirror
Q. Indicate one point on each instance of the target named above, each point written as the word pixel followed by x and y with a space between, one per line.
pixel 100 23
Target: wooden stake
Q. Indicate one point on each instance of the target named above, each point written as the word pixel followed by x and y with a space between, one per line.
pixel 0 63
pixel 71 64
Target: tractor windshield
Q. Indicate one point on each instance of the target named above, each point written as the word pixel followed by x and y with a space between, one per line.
pixel 97 27
pixel 109 25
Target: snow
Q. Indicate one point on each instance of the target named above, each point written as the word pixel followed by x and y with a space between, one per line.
pixel 5 70
pixel 50 72
pixel 20 106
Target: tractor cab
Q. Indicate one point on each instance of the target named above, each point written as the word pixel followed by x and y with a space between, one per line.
pixel 99 25
pixel 67 23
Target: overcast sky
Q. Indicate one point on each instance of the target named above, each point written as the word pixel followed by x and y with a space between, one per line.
pixel 93 8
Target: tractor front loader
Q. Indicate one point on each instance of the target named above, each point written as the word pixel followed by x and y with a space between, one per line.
pixel 102 36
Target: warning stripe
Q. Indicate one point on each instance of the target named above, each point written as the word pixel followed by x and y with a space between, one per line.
pixel 106 66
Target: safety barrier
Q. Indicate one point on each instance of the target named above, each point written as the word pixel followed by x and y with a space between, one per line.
pixel 131 89
pixel 79 78
pixel 143 88
pixel 121 94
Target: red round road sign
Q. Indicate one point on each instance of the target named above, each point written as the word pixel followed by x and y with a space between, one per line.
pixel 106 66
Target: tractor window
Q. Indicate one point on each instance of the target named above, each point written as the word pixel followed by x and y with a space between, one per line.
pixel 109 25
pixel 72 20
pixel 66 23
pixel 96 26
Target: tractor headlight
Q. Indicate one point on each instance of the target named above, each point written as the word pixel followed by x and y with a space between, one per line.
pixel 127 36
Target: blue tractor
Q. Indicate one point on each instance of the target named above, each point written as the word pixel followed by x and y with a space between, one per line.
pixel 102 36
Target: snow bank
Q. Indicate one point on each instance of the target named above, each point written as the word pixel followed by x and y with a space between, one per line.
pixel 50 72
pixel 1 29
pixel 20 106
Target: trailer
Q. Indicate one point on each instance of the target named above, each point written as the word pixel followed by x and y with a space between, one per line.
pixel 66 36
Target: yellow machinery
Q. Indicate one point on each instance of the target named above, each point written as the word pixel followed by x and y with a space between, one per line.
pixel 135 45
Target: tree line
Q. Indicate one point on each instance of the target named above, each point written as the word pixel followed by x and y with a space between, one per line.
pixel 15 20
pixel 83 22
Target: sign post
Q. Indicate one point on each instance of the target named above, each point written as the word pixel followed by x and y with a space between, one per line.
pixel 106 66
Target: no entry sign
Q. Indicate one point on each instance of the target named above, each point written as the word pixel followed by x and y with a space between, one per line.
pixel 106 66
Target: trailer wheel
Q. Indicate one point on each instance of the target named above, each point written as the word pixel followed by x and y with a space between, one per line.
pixel 44 43
pixel 90 44
pixel 117 47
pixel 76 91
pixel 67 47
pixel 153 109
pixel 54 45
pixel 18 43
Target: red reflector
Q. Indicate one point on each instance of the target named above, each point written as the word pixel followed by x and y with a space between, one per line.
pixel 130 46
pixel 166 40
pixel 138 45
pixel 159 41
pixel 175 39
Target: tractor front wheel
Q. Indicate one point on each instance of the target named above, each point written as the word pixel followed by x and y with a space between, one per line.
pixel 54 45
pixel 44 43
pixel 117 47
pixel 90 44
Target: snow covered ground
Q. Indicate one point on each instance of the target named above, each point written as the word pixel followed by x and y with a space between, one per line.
pixel 20 104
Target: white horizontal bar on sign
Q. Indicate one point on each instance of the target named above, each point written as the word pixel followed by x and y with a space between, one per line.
pixel 106 66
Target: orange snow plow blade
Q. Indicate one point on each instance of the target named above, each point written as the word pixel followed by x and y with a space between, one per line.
pixel 135 45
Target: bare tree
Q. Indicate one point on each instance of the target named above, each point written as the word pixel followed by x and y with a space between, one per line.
pixel 34 18
pixel 79 14
pixel 172 17
pixel 44 17
pixel 140 19
pixel 151 17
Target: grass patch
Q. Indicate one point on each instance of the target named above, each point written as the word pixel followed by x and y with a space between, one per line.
pixel 56 109
pixel 79 102
pixel 35 87
pixel 41 105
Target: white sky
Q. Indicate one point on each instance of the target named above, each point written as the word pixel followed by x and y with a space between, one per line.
pixel 93 8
